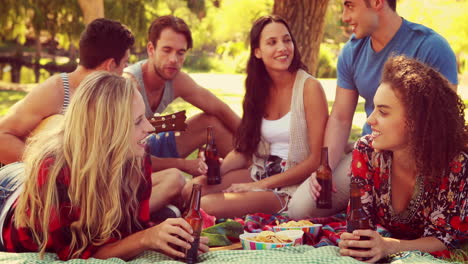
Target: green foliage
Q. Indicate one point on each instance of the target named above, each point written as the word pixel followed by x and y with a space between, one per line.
pixel 12 20
pixel 136 14
pixel 328 58
pixel 221 37
pixel 220 28
pixel 334 26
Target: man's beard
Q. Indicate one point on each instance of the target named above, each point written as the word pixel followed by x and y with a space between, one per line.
pixel 160 74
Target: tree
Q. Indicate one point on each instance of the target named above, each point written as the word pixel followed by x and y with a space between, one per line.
pixel 306 19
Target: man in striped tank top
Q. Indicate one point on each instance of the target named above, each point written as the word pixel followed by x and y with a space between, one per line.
pixel 161 81
pixel 104 46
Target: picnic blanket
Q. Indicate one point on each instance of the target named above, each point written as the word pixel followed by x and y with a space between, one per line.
pixel 332 228
pixel 322 250
pixel 294 255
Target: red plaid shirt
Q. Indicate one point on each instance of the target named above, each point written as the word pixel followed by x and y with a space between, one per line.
pixel 21 239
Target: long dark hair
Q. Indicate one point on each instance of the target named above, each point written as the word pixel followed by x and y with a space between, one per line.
pixel 434 113
pixel 257 86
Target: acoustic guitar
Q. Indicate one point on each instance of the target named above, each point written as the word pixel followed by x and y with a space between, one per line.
pixel 170 122
pixel 165 123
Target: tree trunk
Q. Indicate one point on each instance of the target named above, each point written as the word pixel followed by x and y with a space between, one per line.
pixel 306 19
pixel 91 9
pixel 37 66
pixel 16 65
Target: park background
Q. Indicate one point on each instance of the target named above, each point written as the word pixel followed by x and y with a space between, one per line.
pixel 40 37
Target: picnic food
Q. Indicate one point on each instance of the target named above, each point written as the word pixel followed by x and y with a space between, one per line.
pixel 270 237
pixel 299 223
pixel 220 234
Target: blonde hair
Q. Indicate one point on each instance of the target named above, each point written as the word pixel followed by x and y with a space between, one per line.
pixel 94 143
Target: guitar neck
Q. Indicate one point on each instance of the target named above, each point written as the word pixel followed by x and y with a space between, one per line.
pixel 170 122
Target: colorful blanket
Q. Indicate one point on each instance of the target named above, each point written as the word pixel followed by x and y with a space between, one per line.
pixel 332 228
pixel 322 250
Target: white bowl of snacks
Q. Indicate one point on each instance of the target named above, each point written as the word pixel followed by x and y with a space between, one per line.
pixel 311 230
pixel 265 240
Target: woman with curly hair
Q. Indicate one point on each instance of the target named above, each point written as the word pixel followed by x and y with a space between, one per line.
pixel 412 169
pixel 87 190
pixel 281 132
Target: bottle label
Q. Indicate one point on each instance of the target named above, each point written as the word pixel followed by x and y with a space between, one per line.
pixel 191 255
pixel 324 201
pixel 213 174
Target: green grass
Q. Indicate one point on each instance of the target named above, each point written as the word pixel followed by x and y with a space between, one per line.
pixel 9 98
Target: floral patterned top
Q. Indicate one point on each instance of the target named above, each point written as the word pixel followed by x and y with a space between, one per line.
pixel 437 210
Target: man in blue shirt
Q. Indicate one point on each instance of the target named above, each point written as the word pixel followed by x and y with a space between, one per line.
pixel 378 33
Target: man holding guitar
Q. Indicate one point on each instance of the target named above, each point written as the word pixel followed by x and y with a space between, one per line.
pixel 104 46
pixel 160 82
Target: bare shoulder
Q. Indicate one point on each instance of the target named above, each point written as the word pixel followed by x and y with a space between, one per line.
pixel 312 87
pixel 45 99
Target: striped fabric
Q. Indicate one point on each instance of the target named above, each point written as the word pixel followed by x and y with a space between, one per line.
pixel 66 90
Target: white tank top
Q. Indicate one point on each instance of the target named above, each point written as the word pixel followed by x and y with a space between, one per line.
pixel 276 132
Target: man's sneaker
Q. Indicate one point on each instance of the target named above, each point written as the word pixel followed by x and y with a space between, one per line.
pixel 169 211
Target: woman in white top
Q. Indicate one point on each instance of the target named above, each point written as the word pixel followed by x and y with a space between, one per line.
pixel 281 133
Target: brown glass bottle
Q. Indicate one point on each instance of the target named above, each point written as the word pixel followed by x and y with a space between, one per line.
pixel 212 159
pixel 193 216
pixel 357 217
pixel 324 178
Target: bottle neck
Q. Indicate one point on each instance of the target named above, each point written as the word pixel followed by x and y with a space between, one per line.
pixel 210 136
pixel 355 203
pixel 355 197
pixel 324 157
pixel 195 197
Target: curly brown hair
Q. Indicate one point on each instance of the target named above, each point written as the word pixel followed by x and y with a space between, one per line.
pixel 435 115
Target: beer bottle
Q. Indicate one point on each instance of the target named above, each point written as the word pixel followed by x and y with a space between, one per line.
pixel 193 216
pixel 212 159
pixel 357 218
pixel 324 178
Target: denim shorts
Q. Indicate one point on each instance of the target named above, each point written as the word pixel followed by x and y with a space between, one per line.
pixel 273 165
pixel 11 181
pixel 163 145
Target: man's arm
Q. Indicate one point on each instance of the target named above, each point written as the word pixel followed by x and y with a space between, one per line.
pixel 339 124
pixel 186 88
pixel 194 167
pixel 43 101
